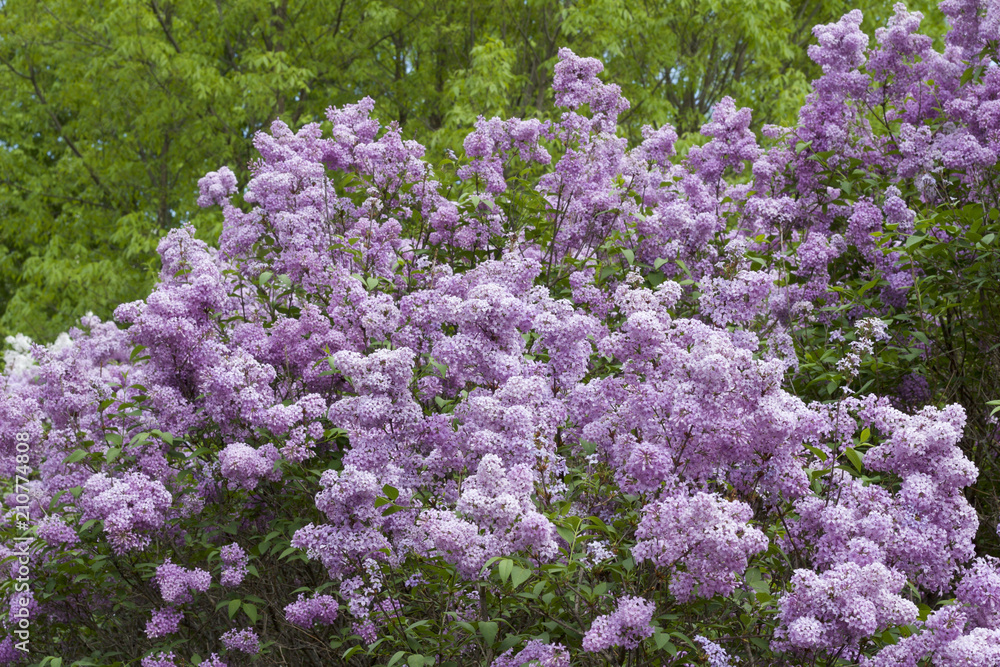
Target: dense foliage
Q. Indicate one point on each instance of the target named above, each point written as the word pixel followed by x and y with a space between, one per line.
pixel 558 400
pixel 110 111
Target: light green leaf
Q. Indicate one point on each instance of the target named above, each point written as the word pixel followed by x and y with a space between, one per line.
pixel 855 458
pixel 77 455
pixel 504 568
pixel 489 630
pixel 519 575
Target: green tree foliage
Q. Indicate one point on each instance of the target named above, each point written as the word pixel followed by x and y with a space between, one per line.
pixel 112 110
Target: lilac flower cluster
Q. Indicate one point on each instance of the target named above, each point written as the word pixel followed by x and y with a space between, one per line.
pixel 176 582
pixel 703 539
pixel 160 660
pixel 245 640
pixel 500 519
pixel 130 507
pixel 234 561
pixel 980 590
pixel 869 330
pixel 627 626
pixel 245 466
pixel 534 653
pixel 967 633
pixel 317 609
pixel 54 530
pixel 165 621
pixel 717 656
pixel 841 606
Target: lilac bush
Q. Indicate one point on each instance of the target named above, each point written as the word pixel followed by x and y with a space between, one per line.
pixel 557 401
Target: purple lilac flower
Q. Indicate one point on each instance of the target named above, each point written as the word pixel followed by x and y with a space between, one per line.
pixel 245 640
pixel 318 609
pixel 131 507
pixel 164 622
pixel 54 531
pixel 234 560
pixel 8 652
pixel 717 656
pixel 161 660
pixel 534 653
pixel 841 606
pixel 176 583
pixel 627 626
pixel 703 539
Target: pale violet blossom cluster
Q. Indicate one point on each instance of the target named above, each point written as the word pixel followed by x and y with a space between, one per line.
pixel 869 331
pixel 245 641
pixel 717 656
pixel 234 565
pixel 627 626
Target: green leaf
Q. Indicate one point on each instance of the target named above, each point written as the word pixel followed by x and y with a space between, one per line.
pixel 77 455
pixel 504 569
pixel 396 657
pixel 662 641
pixel 489 630
pixel 867 286
pixel 509 642
pixel 251 611
pixel 416 660
pixel 629 256
pixel 354 650
pixel 519 575
pixel 855 458
pixel 818 452
pixel 234 606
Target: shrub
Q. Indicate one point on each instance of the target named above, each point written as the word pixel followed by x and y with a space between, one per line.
pixel 557 401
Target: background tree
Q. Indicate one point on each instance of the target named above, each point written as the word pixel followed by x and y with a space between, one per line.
pixel 112 110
